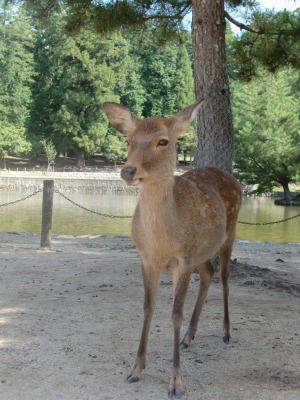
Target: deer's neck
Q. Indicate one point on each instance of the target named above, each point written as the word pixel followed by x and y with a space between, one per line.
pixel 154 231
pixel 156 199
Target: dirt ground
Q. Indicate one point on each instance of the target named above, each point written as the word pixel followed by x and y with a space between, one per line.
pixel 70 321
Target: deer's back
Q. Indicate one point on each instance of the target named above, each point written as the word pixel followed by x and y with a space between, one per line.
pixel 215 182
pixel 220 188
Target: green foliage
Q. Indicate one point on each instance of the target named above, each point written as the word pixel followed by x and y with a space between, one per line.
pixel 232 65
pixel 50 151
pixel 80 73
pixel 184 81
pixel 272 40
pixel 115 147
pixel 17 70
pixel 76 74
pixel 130 89
pixel 165 74
pixel 276 43
pixel 62 80
pixel 266 116
pixel 12 140
pixel 107 16
pixel 187 144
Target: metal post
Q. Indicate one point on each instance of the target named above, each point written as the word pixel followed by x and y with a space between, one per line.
pixel 48 190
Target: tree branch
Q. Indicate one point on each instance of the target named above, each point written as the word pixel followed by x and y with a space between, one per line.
pixel 178 15
pixel 242 26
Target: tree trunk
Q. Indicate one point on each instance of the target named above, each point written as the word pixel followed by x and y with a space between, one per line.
pixel 287 194
pixel 3 162
pixel 80 164
pixel 215 127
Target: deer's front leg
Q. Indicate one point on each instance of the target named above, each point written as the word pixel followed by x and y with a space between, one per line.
pixel 151 281
pixel 181 278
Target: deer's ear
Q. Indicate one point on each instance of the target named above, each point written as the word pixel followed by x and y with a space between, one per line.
pixel 182 119
pixel 120 117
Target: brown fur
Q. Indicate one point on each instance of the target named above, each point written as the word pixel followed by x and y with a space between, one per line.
pixel 180 222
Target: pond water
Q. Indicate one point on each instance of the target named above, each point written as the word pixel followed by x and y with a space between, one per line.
pixel 68 219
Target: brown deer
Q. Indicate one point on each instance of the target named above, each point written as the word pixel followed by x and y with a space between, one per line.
pixel 180 222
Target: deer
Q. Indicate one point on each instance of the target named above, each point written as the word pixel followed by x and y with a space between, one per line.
pixel 180 223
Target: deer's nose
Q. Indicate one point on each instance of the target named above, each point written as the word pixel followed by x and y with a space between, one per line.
pixel 128 173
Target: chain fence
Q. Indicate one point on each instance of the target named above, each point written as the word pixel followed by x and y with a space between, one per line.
pixel 91 211
pixel 269 223
pixel 22 199
pixel 128 216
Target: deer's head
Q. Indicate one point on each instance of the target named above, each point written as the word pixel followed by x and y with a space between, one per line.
pixel 151 142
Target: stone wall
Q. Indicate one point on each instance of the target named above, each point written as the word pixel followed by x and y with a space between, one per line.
pixel 66 181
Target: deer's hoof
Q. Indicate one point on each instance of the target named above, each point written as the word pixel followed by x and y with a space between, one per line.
pixel 226 339
pixel 175 393
pixel 132 378
pixel 183 345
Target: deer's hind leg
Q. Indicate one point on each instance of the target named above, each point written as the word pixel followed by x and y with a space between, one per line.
pixel 224 256
pixel 206 272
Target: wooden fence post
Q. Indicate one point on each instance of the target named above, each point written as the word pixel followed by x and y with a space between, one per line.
pixel 48 190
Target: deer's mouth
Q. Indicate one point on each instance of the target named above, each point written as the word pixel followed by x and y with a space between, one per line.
pixel 129 176
pixel 134 181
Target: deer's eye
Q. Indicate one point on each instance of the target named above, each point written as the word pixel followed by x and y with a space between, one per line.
pixel 163 142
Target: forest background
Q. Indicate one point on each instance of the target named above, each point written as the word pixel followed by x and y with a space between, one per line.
pixel 53 85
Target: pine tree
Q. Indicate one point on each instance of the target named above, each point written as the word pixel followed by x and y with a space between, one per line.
pixel 184 81
pixel 17 71
pixel 267 130
pixel 165 73
pixel 80 73
pixel 278 32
